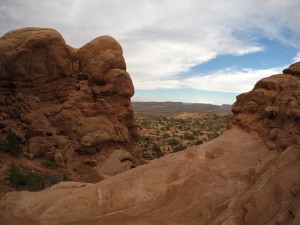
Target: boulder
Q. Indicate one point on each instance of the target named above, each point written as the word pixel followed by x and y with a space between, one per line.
pixel 38 146
pixel 59 159
pixel 91 162
pixel 118 162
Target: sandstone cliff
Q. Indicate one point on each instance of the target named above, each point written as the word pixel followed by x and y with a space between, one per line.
pixel 65 104
pixel 250 175
pixel 271 110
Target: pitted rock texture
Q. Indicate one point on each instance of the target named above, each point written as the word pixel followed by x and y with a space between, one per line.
pixel 293 69
pixel 246 176
pixel 271 110
pixel 65 103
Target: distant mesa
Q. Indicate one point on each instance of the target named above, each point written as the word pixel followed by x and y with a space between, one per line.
pixel 226 106
pixel 174 108
pixel 249 175
pixel 170 103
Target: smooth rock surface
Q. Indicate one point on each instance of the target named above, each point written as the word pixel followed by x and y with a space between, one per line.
pixel 233 179
pixel 118 162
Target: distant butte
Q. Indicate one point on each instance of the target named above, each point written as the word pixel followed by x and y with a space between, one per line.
pixel 249 175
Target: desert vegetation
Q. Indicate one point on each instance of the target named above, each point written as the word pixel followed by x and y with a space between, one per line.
pixel 160 135
pixel 32 180
pixel 11 144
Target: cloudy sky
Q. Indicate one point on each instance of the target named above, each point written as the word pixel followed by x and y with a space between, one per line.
pixel 192 51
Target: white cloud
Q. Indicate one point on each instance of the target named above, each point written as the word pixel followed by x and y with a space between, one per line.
pixel 163 38
pixel 296 58
pixel 228 80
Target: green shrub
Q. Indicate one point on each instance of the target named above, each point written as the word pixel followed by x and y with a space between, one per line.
pixel 179 148
pixel 213 135
pixel 147 156
pixel 3 146
pixel 199 142
pixel 6 102
pixel 11 145
pixel 173 142
pixel 35 181
pixel 80 169
pixel 50 164
pixel 15 177
pixel 14 147
pixel 145 138
pixel 157 150
pixel 165 135
pixel 188 136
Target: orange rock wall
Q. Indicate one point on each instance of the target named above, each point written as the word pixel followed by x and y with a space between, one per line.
pixel 271 110
pixel 58 99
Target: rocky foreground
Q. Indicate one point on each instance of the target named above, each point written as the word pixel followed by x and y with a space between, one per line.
pixel 249 175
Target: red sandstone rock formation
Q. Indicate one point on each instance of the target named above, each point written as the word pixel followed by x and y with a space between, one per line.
pixel 63 103
pixel 272 110
pixel 250 175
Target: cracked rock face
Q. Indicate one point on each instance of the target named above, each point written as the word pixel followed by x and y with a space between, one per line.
pixel 249 175
pixel 60 99
pixel 272 109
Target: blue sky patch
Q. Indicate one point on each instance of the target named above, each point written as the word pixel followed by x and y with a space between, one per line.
pixel 275 54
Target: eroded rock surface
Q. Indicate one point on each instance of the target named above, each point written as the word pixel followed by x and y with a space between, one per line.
pixel 118 162
pixel 272 110
pixel 65 103
pixel 246 176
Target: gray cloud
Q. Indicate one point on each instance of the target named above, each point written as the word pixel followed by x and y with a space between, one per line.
pixel 162 38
